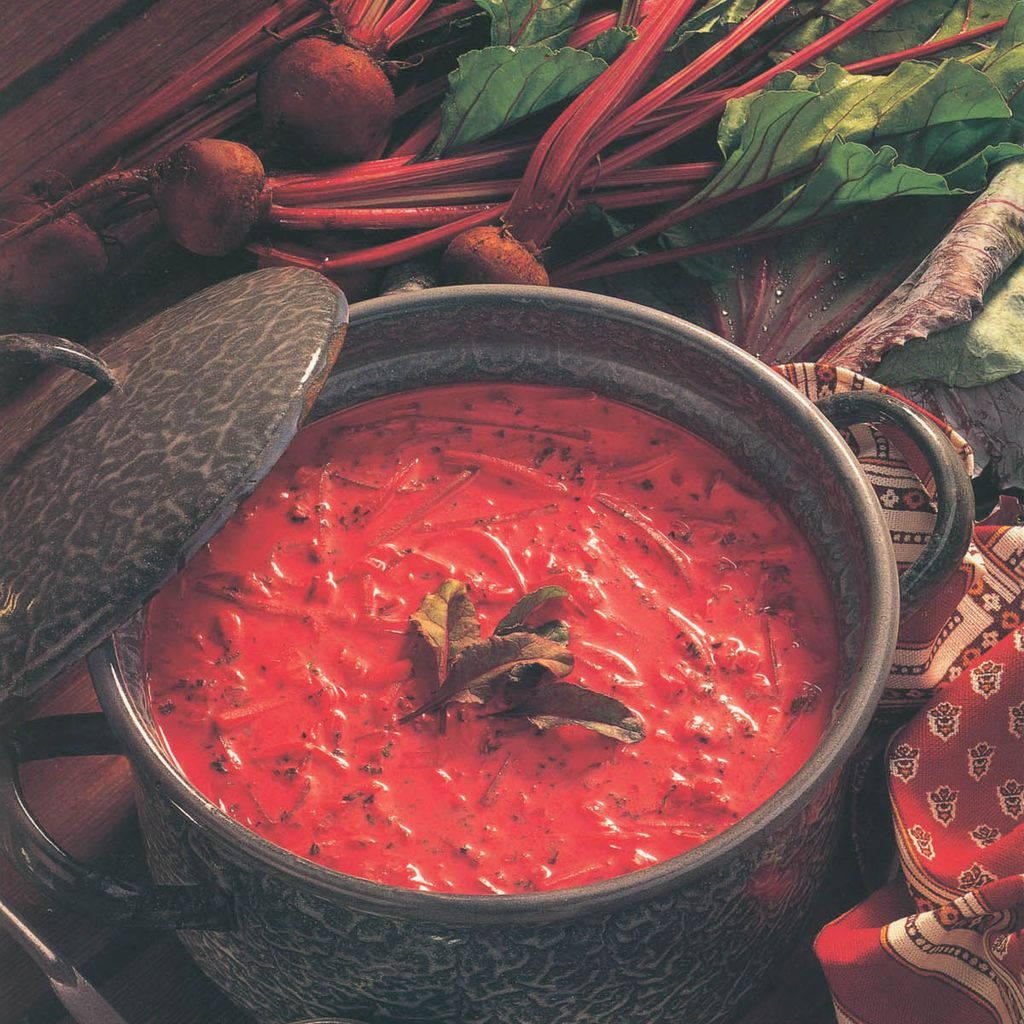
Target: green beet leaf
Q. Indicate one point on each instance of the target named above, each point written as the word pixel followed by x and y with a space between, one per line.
pixel 985 349
pixel 500 85
pixel 519 612
pixel 523 22
pixel 553 704
pixel 946 290
pixel 1002 63
pixel 910 24
pixel 934 117
pixel 446 619
pixel 850 175
pixel 712 21
pixel 481 666
pixel 610 43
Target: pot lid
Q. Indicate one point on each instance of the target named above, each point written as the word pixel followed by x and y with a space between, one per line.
pixel 114 472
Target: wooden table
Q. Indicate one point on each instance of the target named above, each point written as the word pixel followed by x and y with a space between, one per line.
pixel 67 69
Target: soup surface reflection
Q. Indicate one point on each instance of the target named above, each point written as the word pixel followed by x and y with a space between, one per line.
pixel 281 661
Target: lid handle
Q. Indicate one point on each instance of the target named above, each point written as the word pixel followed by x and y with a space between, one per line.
pixel 46 350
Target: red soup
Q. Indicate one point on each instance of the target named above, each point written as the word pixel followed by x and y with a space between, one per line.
pixel 285 673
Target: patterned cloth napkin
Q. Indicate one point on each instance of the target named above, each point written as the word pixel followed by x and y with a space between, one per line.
pixel 940 943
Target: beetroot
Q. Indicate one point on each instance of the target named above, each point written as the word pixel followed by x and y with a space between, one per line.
pixel 44 273
pixel 490 255
pixel 210 195
pixel 331 100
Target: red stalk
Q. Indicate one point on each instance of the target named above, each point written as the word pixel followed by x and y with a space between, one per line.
pixel 567 146
pixel 413 214
pixel 311 218
pixel 677 178
pixel 121 183
pixel 396 9
pixel 419 94
pixel 567 275
pixel 627 199
pixel 588 29
pixel 386 254
pixel 393 173
pixel 673 132
pixel 421 183
pixel 216 68
pixel 673 217
pixel 442 16
pixel 456 192
pixel 394 29
pixel 422 137
pixel 695 70
pixel 924 50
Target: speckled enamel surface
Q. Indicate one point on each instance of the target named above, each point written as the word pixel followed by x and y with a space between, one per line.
pixel 103 495
pixel 688 941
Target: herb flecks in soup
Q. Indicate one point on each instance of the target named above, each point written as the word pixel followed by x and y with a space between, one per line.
pixel 281 662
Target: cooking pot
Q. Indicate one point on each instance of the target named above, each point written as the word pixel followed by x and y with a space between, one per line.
pixel 689 940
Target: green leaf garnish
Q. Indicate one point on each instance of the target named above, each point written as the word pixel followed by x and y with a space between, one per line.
pixel 477 670
pixel 553 704
pixel 523 661
pixel 520 611
pixel 446 619
pixel 557 632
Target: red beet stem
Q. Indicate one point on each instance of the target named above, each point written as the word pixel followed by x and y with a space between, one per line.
pixel 419 94
pixel 386 254
pixel 312 218
pixel 735 71
pixel 633 189
pixel 588 29
pixel 242 49
pixel 454 189
pixel 684 126
pixel 627 199
pixel 441 16
pixel 394 173
pixel 567 275
pixel 420 139
pixel 567 146
pixel 116 183
pixel 889 60
pixel 695 70
pixel 673 217
pixel 395 28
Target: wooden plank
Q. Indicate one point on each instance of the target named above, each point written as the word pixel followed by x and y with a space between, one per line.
pixel 48 131
pixel 26 47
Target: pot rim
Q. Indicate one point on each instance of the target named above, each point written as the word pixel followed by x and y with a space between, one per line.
pixel 828 758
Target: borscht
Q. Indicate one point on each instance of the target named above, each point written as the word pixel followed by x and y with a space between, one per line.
pixel 495 638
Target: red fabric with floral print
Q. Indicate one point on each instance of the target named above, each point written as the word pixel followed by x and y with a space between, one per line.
pixel 940 944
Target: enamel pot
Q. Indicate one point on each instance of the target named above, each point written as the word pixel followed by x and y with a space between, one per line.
pixel 691 940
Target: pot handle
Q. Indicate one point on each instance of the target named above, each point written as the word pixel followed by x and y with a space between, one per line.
pixel 954 496
pixel 46 350
pixel 42 860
